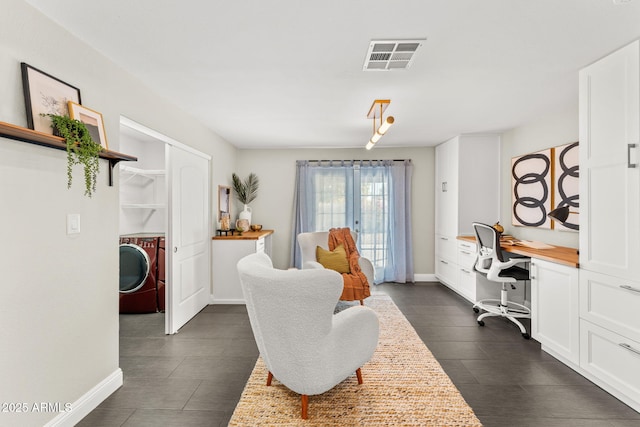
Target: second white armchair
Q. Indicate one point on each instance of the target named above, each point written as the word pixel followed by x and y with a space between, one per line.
pixel 308 243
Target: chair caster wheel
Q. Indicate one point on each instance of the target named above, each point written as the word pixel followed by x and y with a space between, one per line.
pixel 526 336
pixel 481 322
pixel 476 310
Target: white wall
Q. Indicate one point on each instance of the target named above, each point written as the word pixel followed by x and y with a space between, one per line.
pixel 59 298
pixel 551 131
pixel 276 170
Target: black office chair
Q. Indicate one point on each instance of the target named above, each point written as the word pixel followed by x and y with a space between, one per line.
pixel 491 264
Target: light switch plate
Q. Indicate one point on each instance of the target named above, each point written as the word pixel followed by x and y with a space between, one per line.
pixel 73 223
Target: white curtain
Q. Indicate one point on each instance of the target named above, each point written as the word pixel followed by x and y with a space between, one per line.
pixel 372 197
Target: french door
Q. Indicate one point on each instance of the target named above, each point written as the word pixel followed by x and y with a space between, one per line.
pixel 355 196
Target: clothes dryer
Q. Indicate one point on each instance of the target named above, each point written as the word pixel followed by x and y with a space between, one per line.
pixel 138 273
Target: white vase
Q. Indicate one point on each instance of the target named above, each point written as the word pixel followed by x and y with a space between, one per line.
pixel 246 214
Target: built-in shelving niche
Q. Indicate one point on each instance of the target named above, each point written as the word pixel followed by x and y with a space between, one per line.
pixel 30 136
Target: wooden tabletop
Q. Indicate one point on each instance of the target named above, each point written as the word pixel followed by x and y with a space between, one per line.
pixel 558 254
pixel 246 235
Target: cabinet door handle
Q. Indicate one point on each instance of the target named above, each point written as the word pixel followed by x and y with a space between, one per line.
pixel 444 262
pixel 444 238
pixel 465 271
pixel 630 288
pixel 629 164
pixel 465 252
pixel 628 347
pixel 444 186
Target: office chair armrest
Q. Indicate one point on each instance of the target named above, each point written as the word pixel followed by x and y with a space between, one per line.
pixel 508 264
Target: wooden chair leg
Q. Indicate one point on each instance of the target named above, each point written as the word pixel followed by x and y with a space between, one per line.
pixel 269 378
pixel 305 406
pixel 361 302
pixel 359 375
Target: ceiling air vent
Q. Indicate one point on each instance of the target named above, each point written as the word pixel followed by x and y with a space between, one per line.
pixel 385 55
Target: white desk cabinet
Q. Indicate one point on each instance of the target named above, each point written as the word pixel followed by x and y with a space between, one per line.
pixel 555 317
pixel 226 252
pixel 612 360
pixel 610 334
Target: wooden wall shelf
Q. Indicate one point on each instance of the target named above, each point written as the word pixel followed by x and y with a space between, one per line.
pixel 19 133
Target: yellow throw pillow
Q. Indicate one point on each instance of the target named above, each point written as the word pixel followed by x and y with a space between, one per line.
pixel 334 260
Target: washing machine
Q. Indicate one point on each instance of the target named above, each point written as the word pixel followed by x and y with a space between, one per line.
pixel 139 273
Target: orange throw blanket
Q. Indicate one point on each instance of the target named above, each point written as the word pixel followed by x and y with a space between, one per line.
pixel 356 286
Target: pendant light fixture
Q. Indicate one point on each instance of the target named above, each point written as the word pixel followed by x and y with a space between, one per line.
pixel 376 112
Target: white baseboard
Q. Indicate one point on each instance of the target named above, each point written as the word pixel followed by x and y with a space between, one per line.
pixel 89 401
pixel 425 278
pixel 225 301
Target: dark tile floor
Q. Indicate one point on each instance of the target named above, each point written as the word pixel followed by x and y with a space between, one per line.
pixel 195 378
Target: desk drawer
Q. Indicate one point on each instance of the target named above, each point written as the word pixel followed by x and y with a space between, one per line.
pixel 446 247
pixel 610 302
pixel 259 245
pixel 466 255
pixel 446 272
pixel 611 357
pixel 467 283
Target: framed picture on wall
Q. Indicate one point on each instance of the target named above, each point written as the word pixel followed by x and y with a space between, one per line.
pixel 92 120
pixel 224 201
pixel 45 94
pixel 531 189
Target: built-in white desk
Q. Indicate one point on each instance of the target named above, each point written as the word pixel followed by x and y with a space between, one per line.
pixel 557 254
pixel 588 325
pixel 555 311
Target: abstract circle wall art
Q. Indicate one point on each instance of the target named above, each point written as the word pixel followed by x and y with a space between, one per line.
pixel 531 189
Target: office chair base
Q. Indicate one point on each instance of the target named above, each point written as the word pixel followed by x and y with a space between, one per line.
pixel 512 311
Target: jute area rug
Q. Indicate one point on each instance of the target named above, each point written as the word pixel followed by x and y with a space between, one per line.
pixel 404 385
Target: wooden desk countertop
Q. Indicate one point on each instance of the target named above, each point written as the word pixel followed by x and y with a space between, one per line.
pixel 247 235
pixel 558 254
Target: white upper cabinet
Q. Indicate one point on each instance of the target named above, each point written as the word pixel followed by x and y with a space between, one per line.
pixel 609 169
pixel 467 183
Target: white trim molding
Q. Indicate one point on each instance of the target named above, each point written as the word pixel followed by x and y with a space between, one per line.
pixel 425 278
pixel 89 401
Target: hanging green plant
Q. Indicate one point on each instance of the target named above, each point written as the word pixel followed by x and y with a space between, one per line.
pixel 81 150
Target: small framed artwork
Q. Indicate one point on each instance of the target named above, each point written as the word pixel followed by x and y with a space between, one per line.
pixel 45 94
pixel 92 120
pixel 224 202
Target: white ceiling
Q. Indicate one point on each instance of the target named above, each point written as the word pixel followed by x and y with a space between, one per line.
pixel 288 73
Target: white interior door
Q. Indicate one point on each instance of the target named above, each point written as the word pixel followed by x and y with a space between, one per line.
pixel 190 241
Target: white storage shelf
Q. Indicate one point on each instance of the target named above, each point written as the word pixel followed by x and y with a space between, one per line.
pixel 145 182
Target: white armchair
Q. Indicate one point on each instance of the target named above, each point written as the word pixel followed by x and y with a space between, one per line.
pixel 308 243
pixel 303 344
